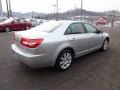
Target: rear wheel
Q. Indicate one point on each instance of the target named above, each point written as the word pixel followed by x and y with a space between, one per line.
pixel 105 45
pixel 64 60
pixel 7 29
pixel 27 27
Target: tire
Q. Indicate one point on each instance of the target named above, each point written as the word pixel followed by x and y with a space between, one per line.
pixel 27 27
pixel 105 45
pixel 7 29
pixel 64 60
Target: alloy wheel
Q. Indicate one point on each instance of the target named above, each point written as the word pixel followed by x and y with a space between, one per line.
pixel 7 29
pixel 65 60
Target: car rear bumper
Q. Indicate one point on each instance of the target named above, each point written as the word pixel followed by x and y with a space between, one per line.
pixel 33 61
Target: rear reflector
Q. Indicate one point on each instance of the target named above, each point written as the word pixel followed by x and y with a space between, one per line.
pixel 31 43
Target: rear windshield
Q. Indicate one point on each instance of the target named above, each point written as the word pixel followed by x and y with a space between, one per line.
pixel 48 26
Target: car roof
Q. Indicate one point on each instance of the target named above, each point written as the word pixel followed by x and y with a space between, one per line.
pixel 70 21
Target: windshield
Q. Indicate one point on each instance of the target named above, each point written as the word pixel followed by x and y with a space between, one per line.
pixel 8 20
pixel 48 26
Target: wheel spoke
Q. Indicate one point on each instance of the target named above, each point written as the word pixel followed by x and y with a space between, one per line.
pixel 62 58
pixel 69 58
pixel 62 62
pixel 68 55
pixel 65 55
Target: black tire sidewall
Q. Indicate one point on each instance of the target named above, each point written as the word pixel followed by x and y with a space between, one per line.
pixel 104 44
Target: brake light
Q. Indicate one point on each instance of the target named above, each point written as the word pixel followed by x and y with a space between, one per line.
pixel 31 43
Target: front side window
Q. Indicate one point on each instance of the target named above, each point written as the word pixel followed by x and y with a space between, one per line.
pixel 16 20
pixel 75 28
pixel 90 28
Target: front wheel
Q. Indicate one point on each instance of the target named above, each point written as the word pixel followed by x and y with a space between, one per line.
pixel 105 45
pixel 7 29
pixel 64 60
pixel 27 27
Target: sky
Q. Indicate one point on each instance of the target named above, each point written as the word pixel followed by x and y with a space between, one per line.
pixel 46 6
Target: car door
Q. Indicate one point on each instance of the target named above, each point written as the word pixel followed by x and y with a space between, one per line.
pixel 78 38
pixel 17 25
pixel 96 39
pixel 22 24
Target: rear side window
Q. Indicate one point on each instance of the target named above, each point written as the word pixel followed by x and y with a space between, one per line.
pixel 75 28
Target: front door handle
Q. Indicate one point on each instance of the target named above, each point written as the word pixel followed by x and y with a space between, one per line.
pixel 72 39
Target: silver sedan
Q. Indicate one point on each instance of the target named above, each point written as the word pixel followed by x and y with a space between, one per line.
pixel 57 43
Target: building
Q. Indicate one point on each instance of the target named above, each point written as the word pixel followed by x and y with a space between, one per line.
pixel 102 21
pixel 0 8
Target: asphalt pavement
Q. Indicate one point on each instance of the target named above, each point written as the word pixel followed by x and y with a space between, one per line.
pixel 95 71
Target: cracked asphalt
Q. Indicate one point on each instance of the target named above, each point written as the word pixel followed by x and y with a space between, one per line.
pixel 95 71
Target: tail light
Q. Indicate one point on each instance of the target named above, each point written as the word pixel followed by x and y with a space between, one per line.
pixel 31 43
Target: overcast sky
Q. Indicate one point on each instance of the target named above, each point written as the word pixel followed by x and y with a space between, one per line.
pixel 46 6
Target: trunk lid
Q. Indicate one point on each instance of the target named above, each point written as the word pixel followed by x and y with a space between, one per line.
pixel 30 35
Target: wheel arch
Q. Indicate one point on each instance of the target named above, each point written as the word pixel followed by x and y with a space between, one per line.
pixel 7 26
pixel 62 49
pixel 69 48
pixel 108 39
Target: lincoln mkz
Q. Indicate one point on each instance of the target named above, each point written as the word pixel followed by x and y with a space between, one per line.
pixel 57 43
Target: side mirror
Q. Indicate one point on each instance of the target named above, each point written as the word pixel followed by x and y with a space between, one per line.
pixel 99 31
